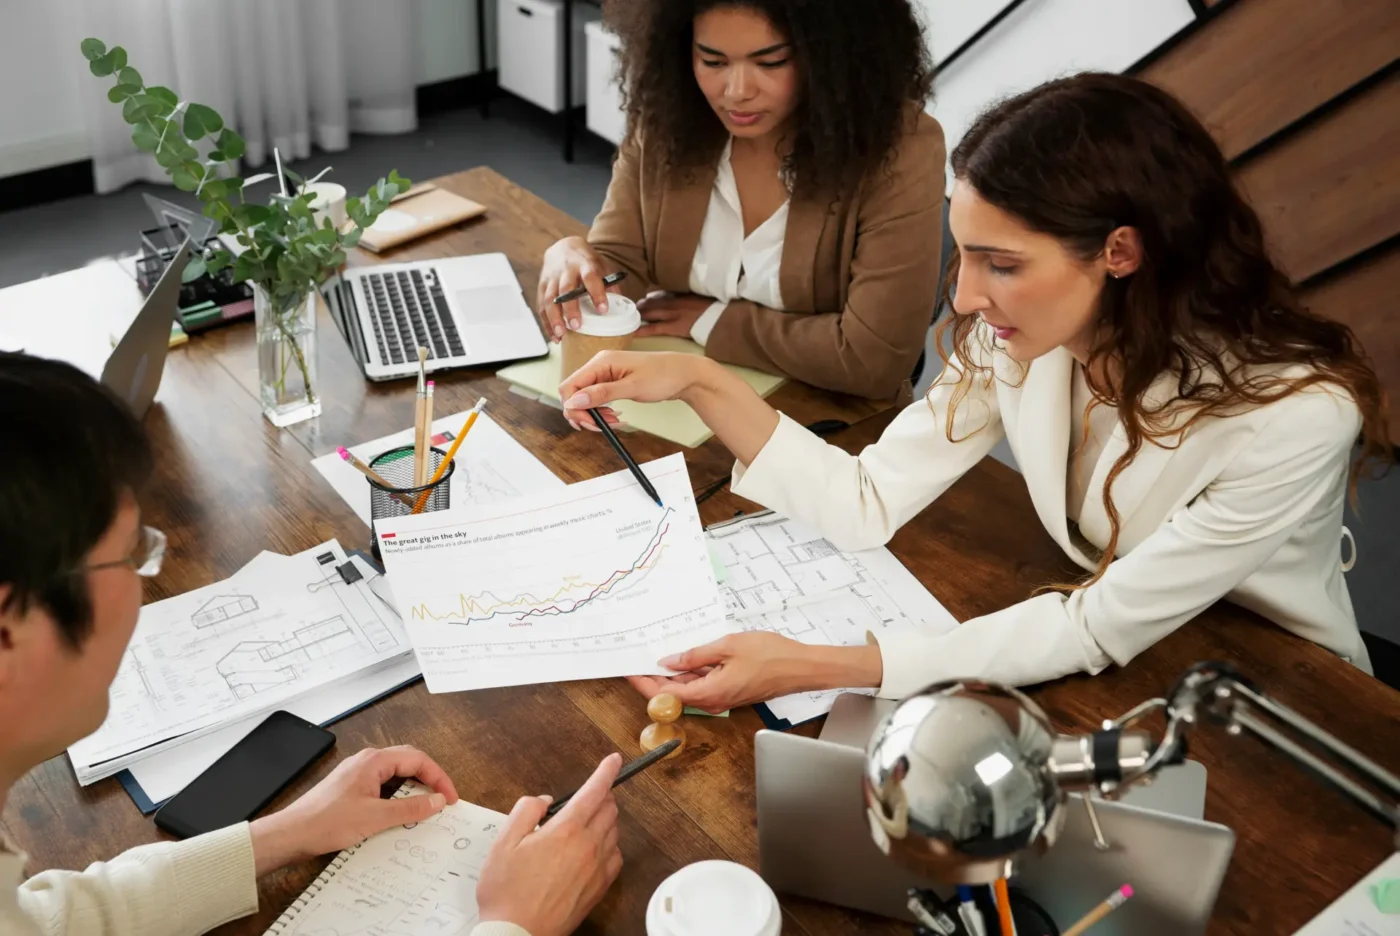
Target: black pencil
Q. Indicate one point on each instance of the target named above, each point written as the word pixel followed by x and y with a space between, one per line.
pixel 632 465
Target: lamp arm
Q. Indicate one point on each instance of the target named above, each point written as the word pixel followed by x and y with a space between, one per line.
pixel 1120 756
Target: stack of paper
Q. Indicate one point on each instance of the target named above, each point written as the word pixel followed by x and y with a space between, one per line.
pixel 236 650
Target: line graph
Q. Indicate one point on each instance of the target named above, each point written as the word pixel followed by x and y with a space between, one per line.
pixel 589 581
pixel 486 605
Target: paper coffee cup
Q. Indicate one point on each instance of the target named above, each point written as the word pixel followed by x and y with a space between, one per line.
pixel 711 897
pixel 598 332
pixel 329 202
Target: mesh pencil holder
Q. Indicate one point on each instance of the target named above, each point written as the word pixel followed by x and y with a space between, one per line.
pixel 398 500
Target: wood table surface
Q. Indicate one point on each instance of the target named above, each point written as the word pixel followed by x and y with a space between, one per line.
pixel 229 485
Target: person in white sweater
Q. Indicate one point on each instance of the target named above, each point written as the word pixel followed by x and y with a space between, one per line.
pixel 73 552
pixel 1184 425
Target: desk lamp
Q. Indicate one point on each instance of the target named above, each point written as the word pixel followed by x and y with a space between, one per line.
pixel 966 778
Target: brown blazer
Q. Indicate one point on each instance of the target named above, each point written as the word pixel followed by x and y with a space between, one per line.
pixel 858 275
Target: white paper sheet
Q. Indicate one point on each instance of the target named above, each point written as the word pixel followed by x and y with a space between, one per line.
pixel 491 465
pixel 591 581
pixel 406 881
pixel 280 627
pixel 1359 911
pixel 783 577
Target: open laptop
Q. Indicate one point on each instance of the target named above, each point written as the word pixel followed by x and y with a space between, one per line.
pixel 467 311
pixel 814 841
pixel 135 366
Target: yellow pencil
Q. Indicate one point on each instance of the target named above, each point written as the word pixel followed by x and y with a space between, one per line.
pixel 451 454
pixel 1114 901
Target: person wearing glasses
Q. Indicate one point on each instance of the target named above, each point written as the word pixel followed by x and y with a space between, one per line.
pixel 73 554
pixel 779 196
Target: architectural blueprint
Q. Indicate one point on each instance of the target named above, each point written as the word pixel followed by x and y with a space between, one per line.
pixel 281 626
pixel 784 578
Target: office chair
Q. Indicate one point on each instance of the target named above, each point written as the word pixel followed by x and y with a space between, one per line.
pixel 947 251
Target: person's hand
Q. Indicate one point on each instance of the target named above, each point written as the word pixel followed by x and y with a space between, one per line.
pixel 546 880
pixel 743 669
pixel 643 376
pixel 568 264
pixel 345 808
pixel 671 313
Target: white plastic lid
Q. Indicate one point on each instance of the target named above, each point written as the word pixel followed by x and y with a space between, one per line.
pixel 712 897
pixel 622 318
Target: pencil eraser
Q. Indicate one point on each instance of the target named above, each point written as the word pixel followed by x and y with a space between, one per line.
pixel 343 452
pixel 1126 890
pixel 430 383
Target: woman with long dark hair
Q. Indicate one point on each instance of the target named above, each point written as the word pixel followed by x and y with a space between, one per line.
pixel 779 194
pixel 1183 424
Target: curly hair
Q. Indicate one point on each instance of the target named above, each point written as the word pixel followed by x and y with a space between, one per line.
pixel 1080 156
pixel 860 64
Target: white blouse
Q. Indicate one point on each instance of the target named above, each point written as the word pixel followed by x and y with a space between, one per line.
pixel 728 265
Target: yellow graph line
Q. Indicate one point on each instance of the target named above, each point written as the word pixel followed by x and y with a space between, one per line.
pixel 474 605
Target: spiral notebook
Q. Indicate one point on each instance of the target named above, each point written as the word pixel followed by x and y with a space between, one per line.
pixel 406 881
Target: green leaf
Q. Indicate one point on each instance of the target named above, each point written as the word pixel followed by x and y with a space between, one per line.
pixel 230 144
pixel 337 258
pixel 355 210
pixel 178 145
pixel 139 107
pixel 243 267
pixel 252 215
pixel 118 94
pixel 118 57
pixel 146 136
pixel 326 236
pixel 101 67
pixel 403 184
pixel 201 121
pixel 126 76
pixel 169 158
pixel 186 176
pixel 93 49
pixel 217 260
pixel 167 99
pixel 352 239
pixel 382 190
pixel 216 156
pixel 293 177
pixel 193 270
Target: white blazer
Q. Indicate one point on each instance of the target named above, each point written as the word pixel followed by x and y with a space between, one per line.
pixel 1247 507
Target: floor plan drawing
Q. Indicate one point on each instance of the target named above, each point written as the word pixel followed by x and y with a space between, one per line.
pixel 785 578
pixel 222 609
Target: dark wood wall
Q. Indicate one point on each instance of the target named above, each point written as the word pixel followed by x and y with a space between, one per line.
pixel 1304 97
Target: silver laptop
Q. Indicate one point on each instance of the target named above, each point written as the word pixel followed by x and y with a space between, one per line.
pixel 814 841
pixel 467 311
pixel 134 369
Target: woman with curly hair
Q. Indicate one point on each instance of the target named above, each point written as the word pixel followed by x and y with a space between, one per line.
pixel 1183 424
pixel 779 195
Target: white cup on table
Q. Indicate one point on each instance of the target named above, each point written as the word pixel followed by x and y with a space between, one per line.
pixel 328 203
pixel 712 897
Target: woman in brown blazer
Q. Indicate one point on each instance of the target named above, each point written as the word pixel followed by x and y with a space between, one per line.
pixel 779 195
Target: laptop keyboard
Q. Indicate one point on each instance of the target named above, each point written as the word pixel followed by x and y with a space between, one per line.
pixel 409 311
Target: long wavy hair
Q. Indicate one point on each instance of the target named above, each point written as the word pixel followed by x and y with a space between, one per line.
pixel 861 64
pixel 1080 156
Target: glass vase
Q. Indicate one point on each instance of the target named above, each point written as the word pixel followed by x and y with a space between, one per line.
pixel 287 355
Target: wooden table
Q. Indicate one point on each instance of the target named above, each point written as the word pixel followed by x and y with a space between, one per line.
pixel 229 485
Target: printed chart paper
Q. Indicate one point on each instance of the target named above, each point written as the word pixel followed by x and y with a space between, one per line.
pixel 785 578
pixel 591 581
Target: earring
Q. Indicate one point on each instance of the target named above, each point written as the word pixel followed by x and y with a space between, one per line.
pixel 1114 275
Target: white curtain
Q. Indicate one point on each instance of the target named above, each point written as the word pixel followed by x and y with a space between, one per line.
pixel 287 73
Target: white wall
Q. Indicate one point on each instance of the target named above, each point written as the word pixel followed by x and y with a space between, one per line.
pixel 1041 40
pixel 41 115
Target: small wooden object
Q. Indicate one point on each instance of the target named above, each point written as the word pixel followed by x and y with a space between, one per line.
pixel 665 710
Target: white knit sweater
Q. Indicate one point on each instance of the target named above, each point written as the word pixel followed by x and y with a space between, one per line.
pixel 166 889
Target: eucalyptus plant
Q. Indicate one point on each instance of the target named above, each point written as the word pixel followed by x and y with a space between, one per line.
pixel 285 251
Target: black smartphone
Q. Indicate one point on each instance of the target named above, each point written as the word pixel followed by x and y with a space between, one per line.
pixel 238 785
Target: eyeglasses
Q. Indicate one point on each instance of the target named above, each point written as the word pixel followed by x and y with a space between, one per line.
pixel 145 559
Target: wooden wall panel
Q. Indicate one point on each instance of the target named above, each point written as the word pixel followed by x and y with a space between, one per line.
pixel 1332 190
pixel 1261 64
pixel 1367 297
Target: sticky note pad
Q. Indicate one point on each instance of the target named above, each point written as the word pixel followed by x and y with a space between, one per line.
pixel 705 714
pixel 1386 895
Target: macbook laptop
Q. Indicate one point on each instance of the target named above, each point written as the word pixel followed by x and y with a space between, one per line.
pixel 134 369
pixel 814 841
pixel 467 311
